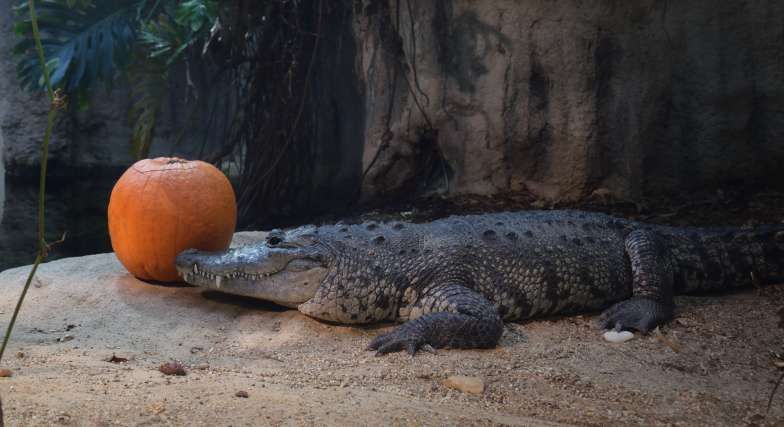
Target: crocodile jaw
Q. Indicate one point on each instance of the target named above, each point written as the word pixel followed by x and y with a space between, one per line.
pixel 288 277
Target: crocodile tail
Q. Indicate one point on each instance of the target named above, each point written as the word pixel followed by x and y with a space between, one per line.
pixel 717 259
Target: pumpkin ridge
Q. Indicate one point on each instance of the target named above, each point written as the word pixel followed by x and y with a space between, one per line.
pixel 156 238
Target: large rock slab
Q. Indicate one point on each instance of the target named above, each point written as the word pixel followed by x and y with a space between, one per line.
pixel 712 366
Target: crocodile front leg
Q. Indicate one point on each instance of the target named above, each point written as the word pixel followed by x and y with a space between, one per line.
pixel 451 316
pixel 652 302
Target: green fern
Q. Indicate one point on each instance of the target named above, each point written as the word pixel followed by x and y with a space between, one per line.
pixel 168 38
pixel 163 39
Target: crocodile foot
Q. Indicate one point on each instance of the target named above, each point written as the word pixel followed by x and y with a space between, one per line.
pixel 636 313
pixel 401 338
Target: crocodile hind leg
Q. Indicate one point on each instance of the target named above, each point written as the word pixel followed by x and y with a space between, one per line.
pixel 451 316
pixel 651 303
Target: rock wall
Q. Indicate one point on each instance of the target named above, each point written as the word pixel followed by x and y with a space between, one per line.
pixel 563 97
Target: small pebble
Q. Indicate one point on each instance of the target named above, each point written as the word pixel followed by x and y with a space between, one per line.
pixel 115 359
pixel 618 337
pixel 172 368
pixel 5 373
pixel 156 408
pixel 242 393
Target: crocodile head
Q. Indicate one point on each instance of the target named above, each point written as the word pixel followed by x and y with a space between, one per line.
pixel 286 269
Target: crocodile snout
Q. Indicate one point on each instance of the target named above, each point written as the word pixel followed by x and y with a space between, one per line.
pixel 186 260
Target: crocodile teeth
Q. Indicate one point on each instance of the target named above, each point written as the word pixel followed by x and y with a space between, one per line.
pixel 218 281
pixel 195 268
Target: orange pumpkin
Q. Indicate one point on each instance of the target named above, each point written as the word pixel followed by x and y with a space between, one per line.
pixel 160 207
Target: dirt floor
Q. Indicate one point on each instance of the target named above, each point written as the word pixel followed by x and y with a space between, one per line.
pixel 90 341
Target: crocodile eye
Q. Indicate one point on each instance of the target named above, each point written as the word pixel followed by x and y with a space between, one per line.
pixel 274 240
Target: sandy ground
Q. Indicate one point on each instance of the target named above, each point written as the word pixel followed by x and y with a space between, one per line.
pixel 714 365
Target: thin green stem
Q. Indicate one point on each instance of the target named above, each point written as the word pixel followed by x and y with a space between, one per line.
pixel 39 48
pixel 43 247
pixel 10 327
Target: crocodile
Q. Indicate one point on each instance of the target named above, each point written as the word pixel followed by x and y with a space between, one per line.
pixel 454 281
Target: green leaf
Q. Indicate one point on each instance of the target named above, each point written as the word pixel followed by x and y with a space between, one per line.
pixel 168 38
pixel 87 40
pixel 196 15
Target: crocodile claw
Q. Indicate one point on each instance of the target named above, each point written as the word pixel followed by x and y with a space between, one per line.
pixel 636 313
pixel 398 340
